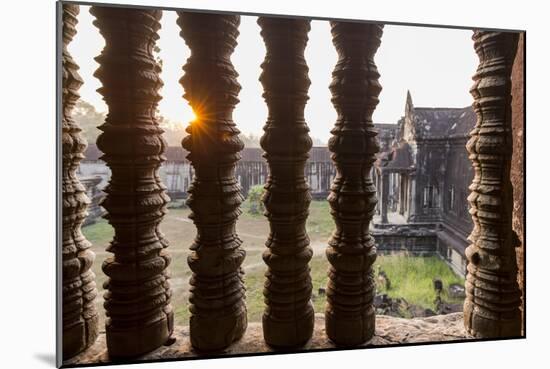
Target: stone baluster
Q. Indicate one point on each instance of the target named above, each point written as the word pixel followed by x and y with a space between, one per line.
pixel 80 318
pixel 218 310
pixel 491 308
pixel 288 318
pixel 137 300
pixel 349 315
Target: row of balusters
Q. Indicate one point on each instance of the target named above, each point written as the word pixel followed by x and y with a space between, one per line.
pixel 137 299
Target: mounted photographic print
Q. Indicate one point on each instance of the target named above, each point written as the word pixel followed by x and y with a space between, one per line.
pixel 238 184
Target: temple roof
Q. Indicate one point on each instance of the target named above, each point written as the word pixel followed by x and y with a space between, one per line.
pixel 320 154
pixel 386 129
pixel 443 122
pixel 385 125
pixel 175 153
pixel 465 123
pixel 400 157
pixel 172 153
pixel 248 154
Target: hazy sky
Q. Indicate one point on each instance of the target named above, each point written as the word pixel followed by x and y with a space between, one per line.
pixel 435 64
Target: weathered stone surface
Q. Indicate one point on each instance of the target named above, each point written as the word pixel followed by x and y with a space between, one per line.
pixel 80 317
pixel 351 250
pixel 517 174
pixel 389 331
pixel 438 328
pixel 218 310
pixel 288 317
pixel 491 308
pixel 137 301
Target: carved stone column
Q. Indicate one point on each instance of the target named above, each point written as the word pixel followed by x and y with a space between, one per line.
pixel 402 192
pixel 413 198
pixel 385 195
pixel 288 318
pixel 491 308
pixel 351 252
pixel 218 310
pixel 80 318
pixel 137 300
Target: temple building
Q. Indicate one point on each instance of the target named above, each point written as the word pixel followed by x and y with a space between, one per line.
pixel 177 172
pixel 422 175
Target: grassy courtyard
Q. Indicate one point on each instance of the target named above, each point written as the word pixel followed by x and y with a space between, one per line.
pixel 411 277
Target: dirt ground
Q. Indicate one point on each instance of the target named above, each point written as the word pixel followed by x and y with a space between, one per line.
pixel 180 232
pixel 411 276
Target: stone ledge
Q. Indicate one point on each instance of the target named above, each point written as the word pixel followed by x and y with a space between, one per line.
pixel 389 331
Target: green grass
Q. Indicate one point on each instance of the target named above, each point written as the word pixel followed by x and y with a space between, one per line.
pixel 99 233
pixel 181 312
pixel 246 212
pixel 254 282
pixel 319 223
pixel 319 268
pixel 411 277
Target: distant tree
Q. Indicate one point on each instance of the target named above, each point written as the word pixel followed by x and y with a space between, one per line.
pixel 88 118
pixel 318 142
pixel 174 131
pixel 250 140
pixel 256 206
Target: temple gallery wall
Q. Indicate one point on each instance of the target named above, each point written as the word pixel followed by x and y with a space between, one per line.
pixel 441 180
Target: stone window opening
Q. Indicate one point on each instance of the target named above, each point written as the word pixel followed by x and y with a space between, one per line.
pixel 452 198
pixel 430 197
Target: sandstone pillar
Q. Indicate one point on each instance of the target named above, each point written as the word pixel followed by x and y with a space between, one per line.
pixel 80 318
pixel 349 315
pixel 492 305
pixel 288 318
pixel 137 300
pixel 218 310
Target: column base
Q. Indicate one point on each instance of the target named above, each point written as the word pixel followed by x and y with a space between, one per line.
pixel 282 334
pixel 136 341
pixel 483 327
pixel 217 333
pixel 344 331
pixel 79 337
